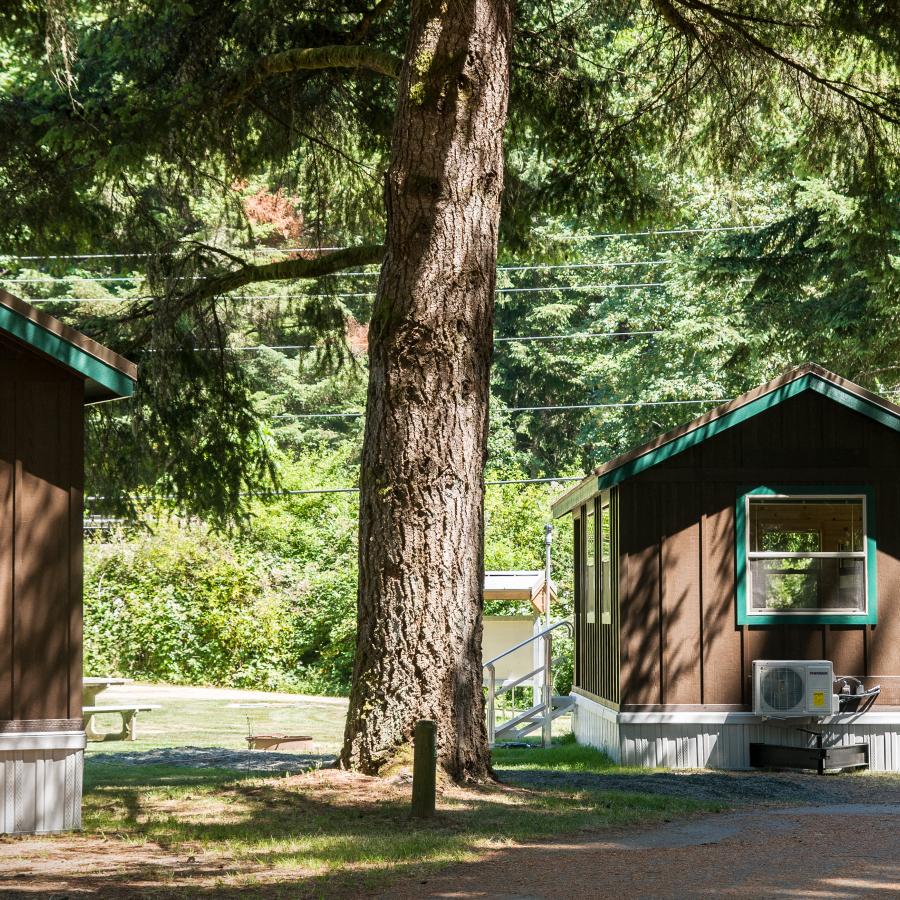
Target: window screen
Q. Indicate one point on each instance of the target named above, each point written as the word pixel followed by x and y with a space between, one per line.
pixel 806 554
pixel 590 566
pixel 605 564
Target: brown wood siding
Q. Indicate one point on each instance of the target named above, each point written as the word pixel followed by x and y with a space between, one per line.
pixel 680 641
pixel 7 544
pixel 641 677
pixel 597 643
pixel 41 464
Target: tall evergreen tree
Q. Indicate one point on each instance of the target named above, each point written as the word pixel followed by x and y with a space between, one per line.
pixel 117 113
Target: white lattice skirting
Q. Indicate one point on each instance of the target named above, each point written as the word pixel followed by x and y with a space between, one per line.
pixel 721 740
pixel 40 781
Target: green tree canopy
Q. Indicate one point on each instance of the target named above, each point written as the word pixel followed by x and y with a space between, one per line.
pixel 131 127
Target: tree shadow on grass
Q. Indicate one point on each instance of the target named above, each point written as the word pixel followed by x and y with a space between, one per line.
pixel 195 833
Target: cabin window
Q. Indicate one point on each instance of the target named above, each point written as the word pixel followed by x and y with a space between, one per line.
pixel 590 566
pixel 605 563
pixel 805 556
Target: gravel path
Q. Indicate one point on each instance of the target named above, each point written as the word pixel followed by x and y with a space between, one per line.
pixel 735 788
pixel 217 758
pixel 836 851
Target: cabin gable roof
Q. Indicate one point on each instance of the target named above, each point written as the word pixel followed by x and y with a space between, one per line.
pixel 808 377
pixel 107 375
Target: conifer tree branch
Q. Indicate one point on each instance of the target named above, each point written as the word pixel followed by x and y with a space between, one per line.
pixel 289 269
pixel 735 23
pixel 378 10
pixel 338 56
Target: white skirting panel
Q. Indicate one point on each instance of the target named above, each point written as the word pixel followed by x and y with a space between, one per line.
pixel 40 782
pixel 697 739
pixel 596 725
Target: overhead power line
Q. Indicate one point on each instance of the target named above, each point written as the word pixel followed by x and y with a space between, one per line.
pixel 519 409
pixel 276 250
pixel 338 490
pixel 662 231
pixel 615 405
pixel 578 336
pixel 558 288
pixel 344 490
pixel 513 338
pixel 138 255
pixel 535 267
pixel 538 267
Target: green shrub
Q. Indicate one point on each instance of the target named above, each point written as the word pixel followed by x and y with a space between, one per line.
pixel 273 607
pixel 183 605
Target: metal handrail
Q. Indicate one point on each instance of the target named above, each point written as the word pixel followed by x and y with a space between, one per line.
pixel 510 685
pixel 546 635
pixel 565 623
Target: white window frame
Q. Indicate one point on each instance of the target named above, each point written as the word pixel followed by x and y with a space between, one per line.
pixel 749 556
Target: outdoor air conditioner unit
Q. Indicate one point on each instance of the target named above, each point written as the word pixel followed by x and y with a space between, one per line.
pixel 793 688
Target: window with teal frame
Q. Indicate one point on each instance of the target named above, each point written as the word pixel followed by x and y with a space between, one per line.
pixel 806 554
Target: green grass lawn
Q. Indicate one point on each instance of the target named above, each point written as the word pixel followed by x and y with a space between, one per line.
pixel 186 832
pixel 195 718
pixel 327 833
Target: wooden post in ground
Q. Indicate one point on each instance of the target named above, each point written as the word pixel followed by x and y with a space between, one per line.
pixel 424 768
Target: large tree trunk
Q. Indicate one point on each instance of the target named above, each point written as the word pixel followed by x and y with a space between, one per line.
pixel 421 557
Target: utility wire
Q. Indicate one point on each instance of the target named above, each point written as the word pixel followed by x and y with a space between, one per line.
pixel 518 409
pixel 561 288
pixel 259 348
pixel 339 490
pixel 556 237
pixel 582 336
pixel 663 231
pixel 536 267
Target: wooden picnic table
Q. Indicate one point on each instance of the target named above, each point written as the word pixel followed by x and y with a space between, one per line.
pixel 128 730
pixel 95 685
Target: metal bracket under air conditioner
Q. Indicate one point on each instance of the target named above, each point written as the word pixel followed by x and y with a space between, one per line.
pixel 820 758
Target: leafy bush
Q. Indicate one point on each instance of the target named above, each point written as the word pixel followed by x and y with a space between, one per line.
pixel 273 607
pixel 184 605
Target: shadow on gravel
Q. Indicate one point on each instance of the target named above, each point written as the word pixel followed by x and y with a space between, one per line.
pixel 217 758
pixel 734 788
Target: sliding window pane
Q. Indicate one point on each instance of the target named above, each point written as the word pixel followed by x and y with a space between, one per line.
pixel 791 584
pixel 793 525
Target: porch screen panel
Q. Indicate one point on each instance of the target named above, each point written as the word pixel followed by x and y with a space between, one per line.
pixel 596 616
pixel 579 606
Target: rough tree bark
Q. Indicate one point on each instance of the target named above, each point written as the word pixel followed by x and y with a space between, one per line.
pixel 421 561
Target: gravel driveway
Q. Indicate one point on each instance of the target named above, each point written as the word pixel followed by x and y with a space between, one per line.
pixel 791 836
pixel 831 852
pixel 734 788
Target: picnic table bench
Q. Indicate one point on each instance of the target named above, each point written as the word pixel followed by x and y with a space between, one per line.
pixel 129 714
pixel 94 685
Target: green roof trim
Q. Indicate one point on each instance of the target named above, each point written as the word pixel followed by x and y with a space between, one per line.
pixel 632 464
pixel 761 404
pixel 23 328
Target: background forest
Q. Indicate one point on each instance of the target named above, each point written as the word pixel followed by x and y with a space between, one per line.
pixel 603 342
pixel 698 281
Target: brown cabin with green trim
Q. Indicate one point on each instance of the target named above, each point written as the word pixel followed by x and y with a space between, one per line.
pixel 48 373
pixel 768 528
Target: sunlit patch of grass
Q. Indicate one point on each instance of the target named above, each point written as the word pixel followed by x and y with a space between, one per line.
pixel 565 756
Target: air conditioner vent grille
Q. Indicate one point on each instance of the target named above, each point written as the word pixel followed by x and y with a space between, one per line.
pixel 782 688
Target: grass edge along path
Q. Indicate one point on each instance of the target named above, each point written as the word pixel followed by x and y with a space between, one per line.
pixel 206 832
